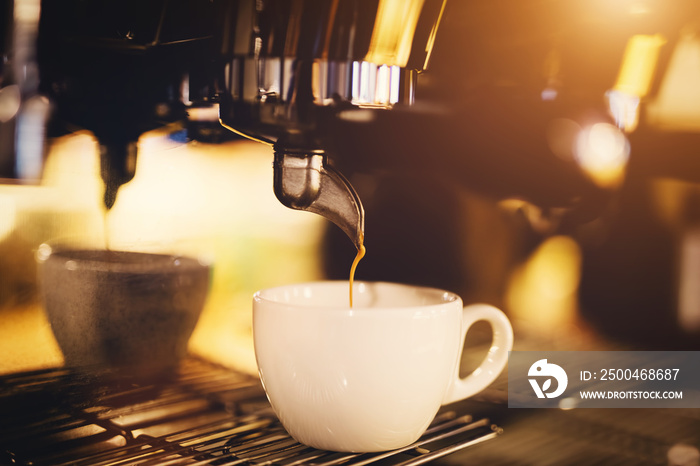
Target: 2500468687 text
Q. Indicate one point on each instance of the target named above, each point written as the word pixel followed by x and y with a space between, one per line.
pixel 631 374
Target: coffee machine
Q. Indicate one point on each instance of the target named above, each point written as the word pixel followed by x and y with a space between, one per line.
pixel 275 72
pixel 325 84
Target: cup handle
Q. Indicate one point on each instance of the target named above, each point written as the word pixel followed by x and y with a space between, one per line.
pixel 496 359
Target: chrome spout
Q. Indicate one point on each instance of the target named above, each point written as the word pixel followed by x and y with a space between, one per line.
pixel 303 180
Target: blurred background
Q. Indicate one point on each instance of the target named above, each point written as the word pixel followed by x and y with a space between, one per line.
pixel 549 166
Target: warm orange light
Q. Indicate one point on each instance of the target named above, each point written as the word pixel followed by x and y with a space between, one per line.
pixel 634 79
pixel 543 292
pixel 676 107
pixel 638 64
pixel 689 286
pixel 394 27
pixel 602 151
pixel 433 34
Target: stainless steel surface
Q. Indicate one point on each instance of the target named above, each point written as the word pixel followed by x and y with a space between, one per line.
pixel 202 415
pixel 209 415
pixel 582 437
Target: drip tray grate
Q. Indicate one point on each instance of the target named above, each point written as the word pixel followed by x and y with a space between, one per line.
pixel 204 414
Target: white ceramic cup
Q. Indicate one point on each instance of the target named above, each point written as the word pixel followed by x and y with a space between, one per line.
pixel 371 377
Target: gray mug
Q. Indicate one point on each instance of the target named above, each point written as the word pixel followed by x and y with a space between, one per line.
pixel 122 309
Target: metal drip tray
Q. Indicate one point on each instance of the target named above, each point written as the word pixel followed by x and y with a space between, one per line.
pixel 204 414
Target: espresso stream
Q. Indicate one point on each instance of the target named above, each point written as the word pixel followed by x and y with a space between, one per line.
pixel 360 254
pixel 105 223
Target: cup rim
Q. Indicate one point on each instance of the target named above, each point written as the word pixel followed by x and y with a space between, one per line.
pixel 445 297
pixel 79 258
